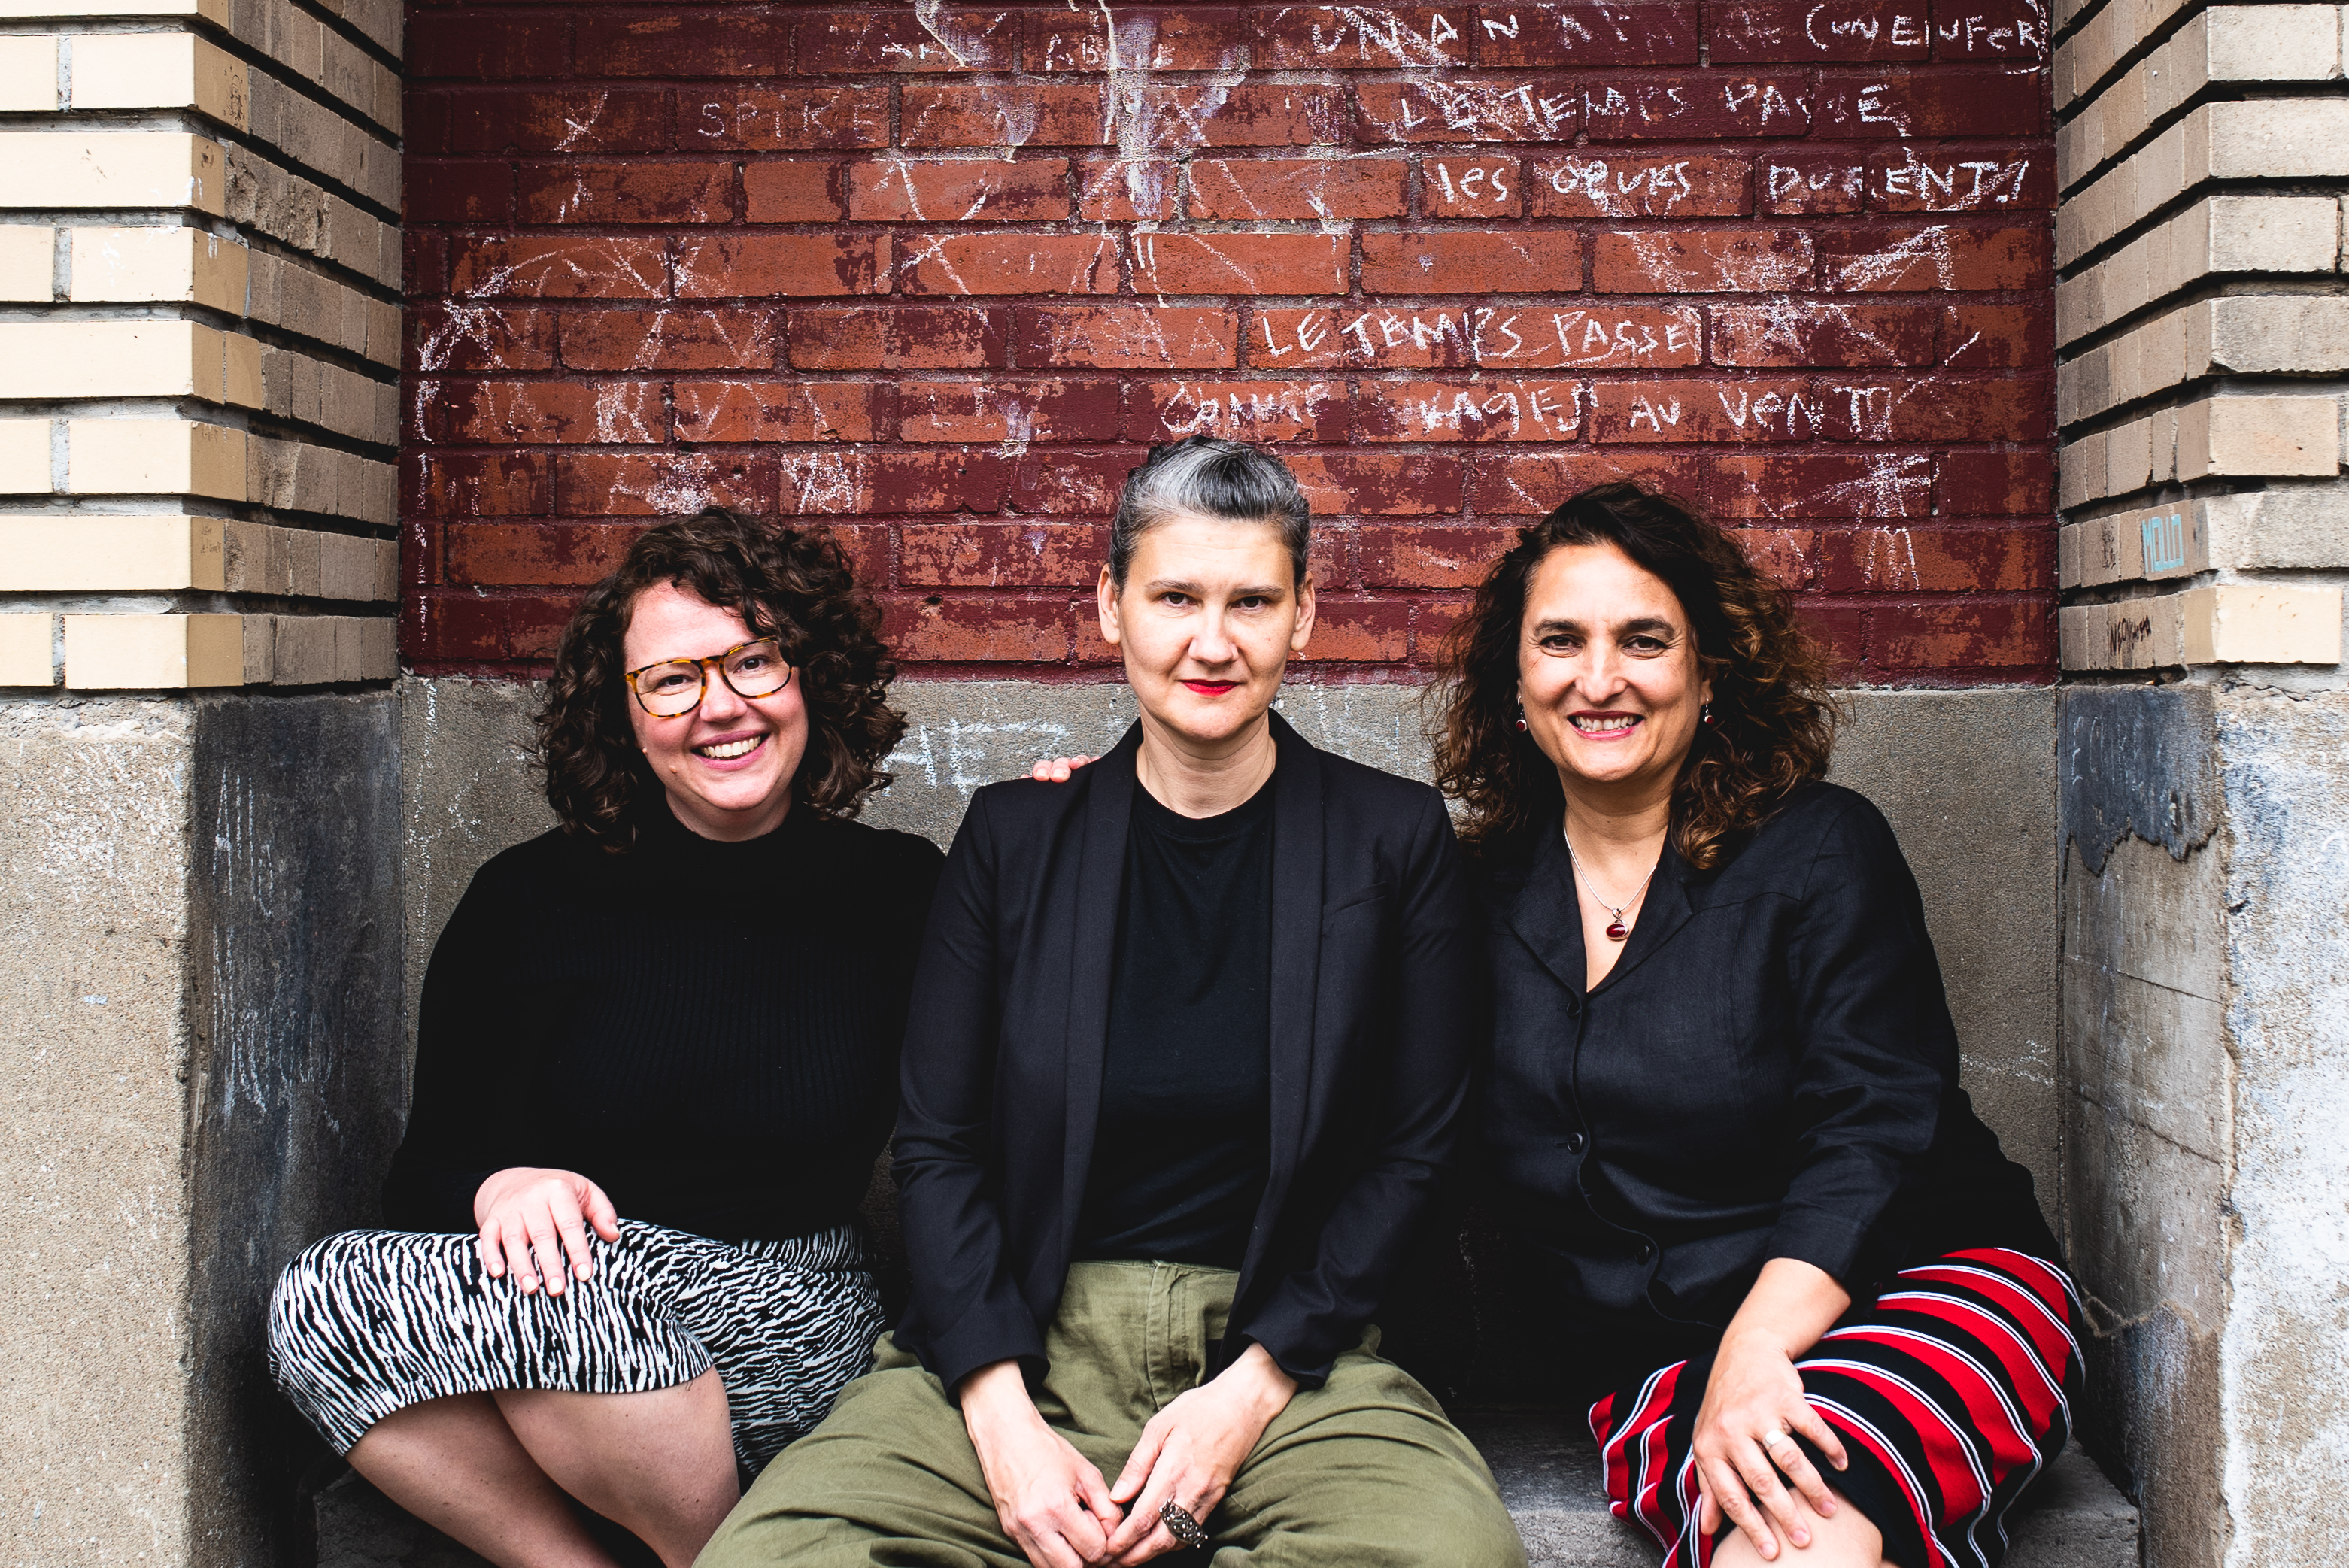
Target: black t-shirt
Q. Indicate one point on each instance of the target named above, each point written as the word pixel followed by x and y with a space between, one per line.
pixel 1183 1144
pixel 708 1030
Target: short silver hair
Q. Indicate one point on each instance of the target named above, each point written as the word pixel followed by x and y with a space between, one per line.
pixel 1207 476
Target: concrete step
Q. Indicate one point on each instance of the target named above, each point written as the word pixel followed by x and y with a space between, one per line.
pixel 1548 1474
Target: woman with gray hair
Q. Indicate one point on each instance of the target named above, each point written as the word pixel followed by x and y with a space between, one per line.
pixel 1187 1061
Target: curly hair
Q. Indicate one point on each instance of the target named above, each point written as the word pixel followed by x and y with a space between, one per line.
pixel 791 583
pixel 1774 725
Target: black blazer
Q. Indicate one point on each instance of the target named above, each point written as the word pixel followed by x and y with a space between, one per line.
pixel 1768 1071
pixel 1374 968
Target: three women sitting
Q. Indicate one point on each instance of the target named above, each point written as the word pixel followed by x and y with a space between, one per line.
pixel 1186 1066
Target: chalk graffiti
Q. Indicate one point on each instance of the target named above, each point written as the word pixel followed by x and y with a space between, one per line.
pixel 1954 185
pixel 1547 411
pixel 1481 334
pixel 1626 188
pixel 2025 34
pixel 1476 183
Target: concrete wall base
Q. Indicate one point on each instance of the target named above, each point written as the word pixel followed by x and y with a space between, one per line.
pixel 2206 1104
pixel 199 1012
pixel 1968 779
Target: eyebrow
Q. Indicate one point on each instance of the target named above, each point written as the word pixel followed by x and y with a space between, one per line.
pixel 1170 585
pixel 1652 624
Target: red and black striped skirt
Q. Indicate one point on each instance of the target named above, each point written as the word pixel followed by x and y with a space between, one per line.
pixel 1951 1391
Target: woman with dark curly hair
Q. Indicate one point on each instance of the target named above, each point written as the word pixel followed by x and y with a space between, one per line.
pixel 1721 1109
pixel 657 1057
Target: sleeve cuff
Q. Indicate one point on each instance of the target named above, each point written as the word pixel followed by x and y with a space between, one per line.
pixel 981 1338
pixel 1831 1244
pixel 1293 1348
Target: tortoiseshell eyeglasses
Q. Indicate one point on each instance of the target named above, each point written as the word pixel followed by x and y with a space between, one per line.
pixel 674 688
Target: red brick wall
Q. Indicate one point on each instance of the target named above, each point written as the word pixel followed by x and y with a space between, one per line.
pixel 938 286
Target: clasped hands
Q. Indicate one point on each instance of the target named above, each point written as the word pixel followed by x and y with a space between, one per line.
pixel 1053 1502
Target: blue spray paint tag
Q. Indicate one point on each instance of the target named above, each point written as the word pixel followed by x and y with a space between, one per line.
pixel 2165 542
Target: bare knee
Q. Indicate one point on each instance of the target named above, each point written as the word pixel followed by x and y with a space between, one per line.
pixel 1848 1539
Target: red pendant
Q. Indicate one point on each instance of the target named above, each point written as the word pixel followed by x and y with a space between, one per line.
pixel 1618 930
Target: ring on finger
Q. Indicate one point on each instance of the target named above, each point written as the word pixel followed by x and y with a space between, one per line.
pixel 1185 1530
pixel 1771 1439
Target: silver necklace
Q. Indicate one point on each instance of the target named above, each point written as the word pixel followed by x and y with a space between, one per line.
pixel 1616 930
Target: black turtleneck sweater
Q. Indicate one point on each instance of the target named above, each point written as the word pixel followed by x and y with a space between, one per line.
pixel 708 1031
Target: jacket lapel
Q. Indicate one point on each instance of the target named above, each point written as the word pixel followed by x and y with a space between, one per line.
pixel 1544 915
pixel 1101 876
pixel 1296 850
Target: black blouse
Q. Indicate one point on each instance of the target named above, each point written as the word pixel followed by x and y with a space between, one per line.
pixel 708 1031
pixel 1768 1071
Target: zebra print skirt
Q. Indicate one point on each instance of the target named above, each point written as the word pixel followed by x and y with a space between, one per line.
pixel 370 1322
pixel 1951 1392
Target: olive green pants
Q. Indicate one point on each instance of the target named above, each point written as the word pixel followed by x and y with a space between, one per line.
pixel 1360 1472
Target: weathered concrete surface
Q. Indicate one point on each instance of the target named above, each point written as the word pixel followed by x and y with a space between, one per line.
pixel 1967 778
pixel 2284 1353
pixel 2137 760
pixel 299 1087
pixel 2205 1073
pixel 466 791
pixel 199 1020
pixel 2148 1082
pixel 1968 782
pixel 95 1465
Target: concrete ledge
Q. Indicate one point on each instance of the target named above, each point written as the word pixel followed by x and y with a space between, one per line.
pixel 1548 1475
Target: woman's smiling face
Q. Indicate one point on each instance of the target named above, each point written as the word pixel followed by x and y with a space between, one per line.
pixel 1607 670
pixel 730 764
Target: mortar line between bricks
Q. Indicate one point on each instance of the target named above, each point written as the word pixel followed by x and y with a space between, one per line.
pixel 2207 94
pixel 2185 201
pixel 198 122
pixel 287 78
pixel 2126 60
pixel 2202 291
pixel 352 34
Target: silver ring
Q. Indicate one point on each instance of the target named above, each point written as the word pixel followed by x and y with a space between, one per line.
pixel 1181 1525
pixel 1770 1443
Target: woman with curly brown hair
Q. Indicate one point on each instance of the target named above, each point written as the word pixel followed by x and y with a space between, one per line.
pixel 1721 1109
pixel 657 1057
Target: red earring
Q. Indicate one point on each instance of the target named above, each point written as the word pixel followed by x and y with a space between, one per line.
pixel 1521 719
pixel 1707 716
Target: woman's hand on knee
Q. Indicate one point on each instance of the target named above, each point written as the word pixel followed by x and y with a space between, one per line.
pixel 1191 1449
pixel 530 1212
pixel 1051 1499
pixel 1746 1457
